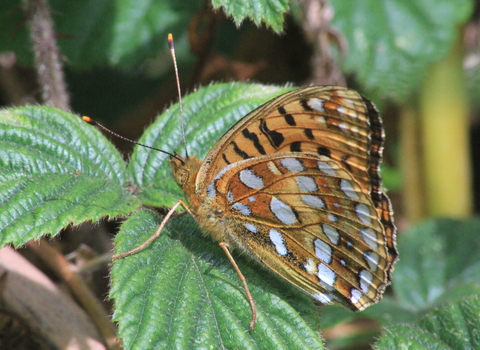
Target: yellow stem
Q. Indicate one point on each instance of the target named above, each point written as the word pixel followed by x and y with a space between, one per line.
pixel 414 201
pixel 444 120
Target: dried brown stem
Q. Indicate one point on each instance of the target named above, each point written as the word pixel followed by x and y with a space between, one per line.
pixel 82 293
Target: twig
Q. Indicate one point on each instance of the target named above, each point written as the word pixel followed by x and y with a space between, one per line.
pixel 61 267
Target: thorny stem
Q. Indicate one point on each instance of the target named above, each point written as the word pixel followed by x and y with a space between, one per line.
pixel 47 57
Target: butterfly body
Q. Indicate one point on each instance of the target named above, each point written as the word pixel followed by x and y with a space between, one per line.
pixel 295 185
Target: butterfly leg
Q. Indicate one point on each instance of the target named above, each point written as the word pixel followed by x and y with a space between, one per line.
pixel 224 246
pixel 164 211
pixel 156 234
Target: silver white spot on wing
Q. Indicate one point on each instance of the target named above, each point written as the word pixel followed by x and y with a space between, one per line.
pixel 326 275
pixel 370 237
pixel 292 164
pixel 343 126
pixel 251 227
pixel 332 218
pixel 323 298
pixel 306 184
pixel 211 190
pixel 252 199
pixel 323 251
pixel 242 208
pixel 343 262
pixel 224 170
pixel 331 233
pixel 313 201
pixel 326 168
pixel 249 179
pixel 282 211
pixel 230 196
pixel 317 104
pixel 347 188
pixel 356 295
pixel 363 213
pixel 366 279
pixel 372 260
pixel 278 241
pixel 310 266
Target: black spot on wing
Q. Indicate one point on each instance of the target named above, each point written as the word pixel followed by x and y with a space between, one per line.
pixel 239 152
pixel 324 151
pixel 274 137
pixel 290 119
pixel 309 134
pixel 296 147
pixel 225 159
pixel 305 105
pixel 254 138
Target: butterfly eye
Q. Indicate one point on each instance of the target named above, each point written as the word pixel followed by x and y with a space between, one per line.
pixel 182 176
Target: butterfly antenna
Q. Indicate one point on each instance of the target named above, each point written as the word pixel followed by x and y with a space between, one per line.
pixel 171 47
pixel 97 124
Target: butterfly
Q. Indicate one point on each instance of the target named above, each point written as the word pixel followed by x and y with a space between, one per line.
pixel 295 185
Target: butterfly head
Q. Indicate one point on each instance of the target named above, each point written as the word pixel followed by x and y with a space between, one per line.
pixel 185 171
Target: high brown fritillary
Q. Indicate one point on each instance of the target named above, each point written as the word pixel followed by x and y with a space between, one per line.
pixel 295 184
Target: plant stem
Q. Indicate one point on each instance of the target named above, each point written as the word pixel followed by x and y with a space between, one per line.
pixel 414 201
pixel 47 57
pixel 444 118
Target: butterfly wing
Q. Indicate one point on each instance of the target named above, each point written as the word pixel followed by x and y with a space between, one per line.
pixel 308 220
pixel 330 121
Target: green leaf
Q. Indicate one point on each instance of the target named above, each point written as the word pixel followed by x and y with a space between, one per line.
pixel 208 114
pixel 55 170
pixel 270 12
pixel 439 259
pixel 181 292
pixel 99 32
pixel 455 326
pixel 391 42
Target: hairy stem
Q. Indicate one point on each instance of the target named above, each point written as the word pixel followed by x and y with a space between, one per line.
pixel 47 56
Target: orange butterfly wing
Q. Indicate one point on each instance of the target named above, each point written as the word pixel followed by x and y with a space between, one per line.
pixel 332 125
